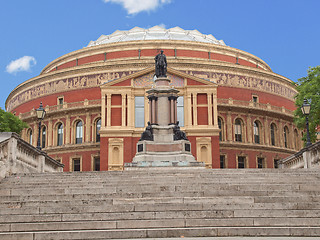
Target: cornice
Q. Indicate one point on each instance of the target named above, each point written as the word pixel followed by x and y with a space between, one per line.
pixel 153 44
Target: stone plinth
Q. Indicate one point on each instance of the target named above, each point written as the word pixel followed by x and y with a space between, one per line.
pixel 165 150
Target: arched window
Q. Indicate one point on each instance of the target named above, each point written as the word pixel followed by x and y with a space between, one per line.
pixel 98 126
pixel 221 127
pixel 59 134
pixel 43 137
pixel 79 132
pixel 272 134
pixel 286 136
pixel 256 132
pixel 238 130
pixel 30 136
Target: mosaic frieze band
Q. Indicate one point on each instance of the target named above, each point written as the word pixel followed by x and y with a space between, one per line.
pixel 95 80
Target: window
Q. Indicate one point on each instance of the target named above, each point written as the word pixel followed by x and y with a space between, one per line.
pixel 30 136
pixel 43 136
pixel 60 134
pixel 286 136
pixel 220 124
pixel 222 161
pixel 98 127
pixel 60 101
pixel 139 112
pixel 276 163
pixel 256 132
pixel 238 131
pixel 255 99
pixel 180 110
pixel 76 164
pixel 79 132
pixel 96 164
pixel 241 162
pixel 272 134
pixel 261 163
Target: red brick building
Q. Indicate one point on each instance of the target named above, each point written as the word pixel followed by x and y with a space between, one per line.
pixel 235 111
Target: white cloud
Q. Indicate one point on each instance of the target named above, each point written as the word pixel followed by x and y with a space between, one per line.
pixel 136 6
pixel 21 64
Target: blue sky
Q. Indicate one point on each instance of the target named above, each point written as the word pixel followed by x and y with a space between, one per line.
pixel 283 33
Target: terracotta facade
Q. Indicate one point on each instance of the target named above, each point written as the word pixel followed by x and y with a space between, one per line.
pixel 235 109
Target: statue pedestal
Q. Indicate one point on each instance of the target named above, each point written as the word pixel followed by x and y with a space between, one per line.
pixel 164 151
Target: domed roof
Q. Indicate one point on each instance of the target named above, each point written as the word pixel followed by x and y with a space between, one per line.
pixel 156 33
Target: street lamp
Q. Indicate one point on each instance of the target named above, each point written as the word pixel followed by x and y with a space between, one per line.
pixel 305 108
pixel 40 115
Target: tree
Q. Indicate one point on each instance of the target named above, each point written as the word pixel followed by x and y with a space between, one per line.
pixel 10 122
pixel 309 88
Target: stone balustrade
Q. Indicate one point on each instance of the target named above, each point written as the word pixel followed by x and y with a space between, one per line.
pixel 17 156
pixel 260 106
pixel 308 157
pixel 62 107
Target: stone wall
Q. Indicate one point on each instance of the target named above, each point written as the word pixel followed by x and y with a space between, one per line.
pixel 17 156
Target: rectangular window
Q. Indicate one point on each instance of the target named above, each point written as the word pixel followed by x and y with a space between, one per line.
pixel 222 161
pixel 96 164
pixel 276 163
pixel 254 99
pixel 76 164
pixel 60 101
pixel 180 110
pixel 241 162
pixel 260 162
pixel 139 112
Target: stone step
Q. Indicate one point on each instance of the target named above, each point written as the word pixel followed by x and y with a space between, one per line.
pixel 100 206
pixel 160 223
pixel 164 233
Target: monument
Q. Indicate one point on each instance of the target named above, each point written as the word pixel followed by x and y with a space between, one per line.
pixel 163 144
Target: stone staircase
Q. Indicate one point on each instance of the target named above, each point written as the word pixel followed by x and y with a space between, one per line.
pixel 159 203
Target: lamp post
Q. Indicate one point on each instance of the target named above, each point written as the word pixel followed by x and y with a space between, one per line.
pixel 305 108
pixel 40 115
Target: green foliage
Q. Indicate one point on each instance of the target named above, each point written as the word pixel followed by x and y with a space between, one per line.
pixel 10 123
pixel 309 88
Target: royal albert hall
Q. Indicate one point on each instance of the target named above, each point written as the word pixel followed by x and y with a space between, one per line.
pixel 234 110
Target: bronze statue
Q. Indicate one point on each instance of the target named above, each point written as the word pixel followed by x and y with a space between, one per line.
pixel 178 134
pixel 147 134
pixel 161 65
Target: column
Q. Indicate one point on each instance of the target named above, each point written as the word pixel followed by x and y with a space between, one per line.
pixel 171 99
pixel 209 100
pixel 154 110
pixel 130 111
pixel 151 109
pixel 67 129
pixel 249 128
pixel 88 125
pixel 215 111
pixel 103 110
pixel 123 109
pixel 266 132
pixel 189 110
pixel 175 110
pixel 195 112
pixel 108 110
pixel 229 127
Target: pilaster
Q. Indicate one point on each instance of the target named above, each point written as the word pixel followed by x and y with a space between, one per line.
pixel 108 110
pixel 88 126
pixel 103 110
pixel 229 126
pixel 67 129
pixel 195 112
